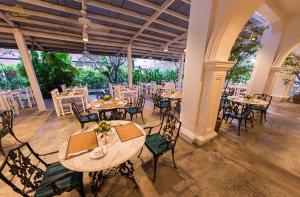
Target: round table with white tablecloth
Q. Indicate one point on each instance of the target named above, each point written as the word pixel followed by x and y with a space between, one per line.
pixel 116 159
pixel 244 101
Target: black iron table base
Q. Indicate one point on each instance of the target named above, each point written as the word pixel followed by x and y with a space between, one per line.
pixel 98 178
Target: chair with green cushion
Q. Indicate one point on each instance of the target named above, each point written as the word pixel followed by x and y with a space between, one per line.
pixel 164 140
pixel 137 109
pixel 263 109
pixel 27 174
pixel 90 117
pixel 7 127
pixel 164 104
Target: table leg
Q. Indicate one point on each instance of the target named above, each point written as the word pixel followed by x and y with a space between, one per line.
pixel 61 108
pixel 98 178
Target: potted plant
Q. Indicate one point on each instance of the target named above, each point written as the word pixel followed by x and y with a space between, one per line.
pixel 103 130
pixel 247 97
pixel 107 97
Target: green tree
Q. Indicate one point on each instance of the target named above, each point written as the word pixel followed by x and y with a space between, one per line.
pixel 52 70
pixel 93 78
pixel 243 51
pixel 10 77
pixel 291 67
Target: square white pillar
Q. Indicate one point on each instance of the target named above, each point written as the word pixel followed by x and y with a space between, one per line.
pixel 29 69
pixel 213 83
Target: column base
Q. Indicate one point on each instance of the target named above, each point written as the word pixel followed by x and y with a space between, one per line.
pixel 191 137
pixel 201 140
pixel 187 135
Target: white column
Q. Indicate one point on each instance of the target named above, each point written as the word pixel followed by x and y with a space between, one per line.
pixel 270 41
pixel 214 79
pixel 181 67
pixel 129 57
pixel 29 69
pixel 199 23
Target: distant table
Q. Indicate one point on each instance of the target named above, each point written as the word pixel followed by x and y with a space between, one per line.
pixel 258 102
pixel 63 96
pixel 103 105
pixel 115 160
pixel 175 96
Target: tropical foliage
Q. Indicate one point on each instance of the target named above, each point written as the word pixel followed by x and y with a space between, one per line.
pixel 52 70
pixel 11 78
pixel 243 52
pixel 291 68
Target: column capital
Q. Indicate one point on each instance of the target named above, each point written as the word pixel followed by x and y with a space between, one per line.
pixel 216 65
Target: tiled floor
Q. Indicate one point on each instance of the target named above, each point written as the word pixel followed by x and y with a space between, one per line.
pixel 264 161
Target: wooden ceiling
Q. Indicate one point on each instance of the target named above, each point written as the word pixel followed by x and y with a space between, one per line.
pixel 53 25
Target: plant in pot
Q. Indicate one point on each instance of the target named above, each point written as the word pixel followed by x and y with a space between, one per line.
pixel 103 130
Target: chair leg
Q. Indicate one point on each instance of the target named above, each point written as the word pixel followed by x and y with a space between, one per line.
pixel 142 117
pixel 265 116
pixel 155 165
pixel 131 117
pixel 82 125
pixel 261 116
pixel 140 152
pixel 80 190
pixel 173 151
pixel 1 149
pixel 239 128
pixel 13 134
pixel 246 124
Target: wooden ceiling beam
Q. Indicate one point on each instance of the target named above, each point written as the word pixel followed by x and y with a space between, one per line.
pixel 154 6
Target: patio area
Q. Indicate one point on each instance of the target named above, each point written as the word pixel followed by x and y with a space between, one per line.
pixel 149 98
pixel 228 165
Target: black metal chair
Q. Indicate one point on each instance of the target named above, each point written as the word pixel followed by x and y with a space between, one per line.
pixel 164 140
pixel 178 106
pixel 163 104
pixel 113 114
pixel 263 109
pixel 137 109
pixel 7 127
pixel 90 117
pixel 240 112
pixel 39 178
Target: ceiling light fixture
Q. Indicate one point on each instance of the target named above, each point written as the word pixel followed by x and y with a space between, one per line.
pixel 166 48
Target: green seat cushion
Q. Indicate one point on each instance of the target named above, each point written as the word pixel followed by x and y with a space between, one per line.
pixel 53 172
pixel 259 108
pixel 89 118
pixel 153 143
pixel 132 110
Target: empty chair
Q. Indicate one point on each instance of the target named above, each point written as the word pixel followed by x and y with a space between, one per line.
pixel 263 109
pixel 7 127
pixel 240 112
pixel 161 103
pixel 90 117
pixel 137 108
pixel 113 114
pixel 27 174
pixel 164 140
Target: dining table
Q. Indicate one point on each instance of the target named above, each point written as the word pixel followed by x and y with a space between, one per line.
pixel 116 159
pixel 172 96
pixel 253 101
pixel 110 104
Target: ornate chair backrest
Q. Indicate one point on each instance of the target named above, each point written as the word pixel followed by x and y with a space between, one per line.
pixel 22 170
pixel 141 102
pixel 233 107
pixel 267 98
pixel 76 111
pixel 170 127
pixel 7 120
pixel 156 99
pixel 113 114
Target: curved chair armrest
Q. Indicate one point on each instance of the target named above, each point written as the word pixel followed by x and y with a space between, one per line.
pixel 167 142
pixel 150 128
